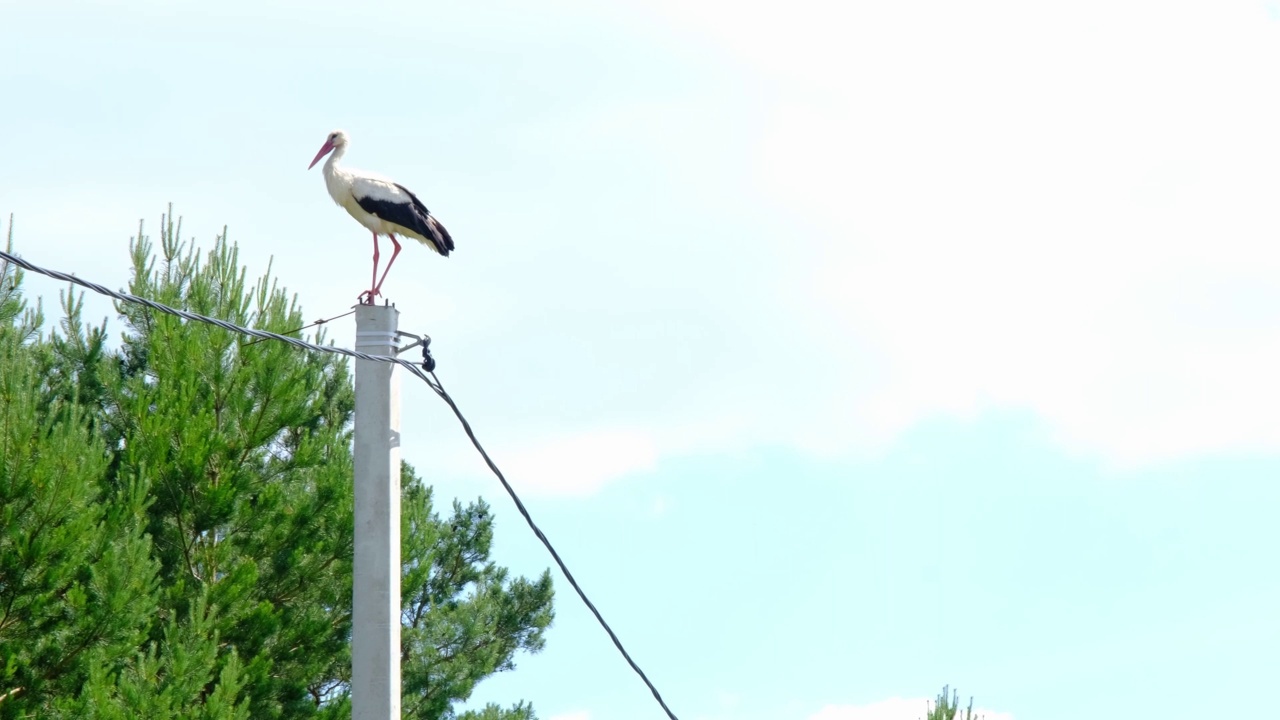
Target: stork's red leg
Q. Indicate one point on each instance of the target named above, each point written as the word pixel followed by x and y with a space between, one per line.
pixel 375 262
pixel 377 288
pixel 373 287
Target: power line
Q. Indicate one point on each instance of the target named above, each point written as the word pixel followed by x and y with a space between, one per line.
pixel 304 327
pixel 428 377
pixel 563 568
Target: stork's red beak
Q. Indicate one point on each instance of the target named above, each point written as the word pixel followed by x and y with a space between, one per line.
pixel 324 150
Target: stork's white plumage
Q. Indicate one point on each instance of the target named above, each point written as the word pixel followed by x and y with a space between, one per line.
pixel 382 206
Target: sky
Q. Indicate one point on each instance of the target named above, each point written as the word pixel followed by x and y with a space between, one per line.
pixel 843 350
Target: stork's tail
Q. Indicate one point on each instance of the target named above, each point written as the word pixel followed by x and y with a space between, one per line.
pixel 439 237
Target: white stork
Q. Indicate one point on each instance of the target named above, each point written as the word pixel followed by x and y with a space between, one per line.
pixel 382 206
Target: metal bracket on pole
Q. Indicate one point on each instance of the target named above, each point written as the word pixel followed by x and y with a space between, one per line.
pixel 428 362
pixel 375 617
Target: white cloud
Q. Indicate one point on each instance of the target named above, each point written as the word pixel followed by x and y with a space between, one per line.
pixel 576 464
pixel 1067 208
pixel 893 709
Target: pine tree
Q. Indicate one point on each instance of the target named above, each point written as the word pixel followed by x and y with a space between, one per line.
pixel 204 481
pixel 76 577
pixel 175 678
pixel 245 448
pixel 946 708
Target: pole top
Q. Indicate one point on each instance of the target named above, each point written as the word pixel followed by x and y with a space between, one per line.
pixel 376 327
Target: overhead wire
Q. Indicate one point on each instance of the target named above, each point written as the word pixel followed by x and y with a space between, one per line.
pixel 306 327
pixel 466 426
pixel 428 377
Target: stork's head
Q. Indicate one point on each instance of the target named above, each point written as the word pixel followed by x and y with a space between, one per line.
pixel 337 139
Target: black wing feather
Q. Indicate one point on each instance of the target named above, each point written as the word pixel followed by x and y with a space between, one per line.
pixel 413 215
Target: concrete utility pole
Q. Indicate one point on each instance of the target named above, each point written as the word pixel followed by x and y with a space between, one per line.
pixel 375 621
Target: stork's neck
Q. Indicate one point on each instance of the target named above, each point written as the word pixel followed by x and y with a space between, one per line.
pixel 337 182
pixel 331 165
